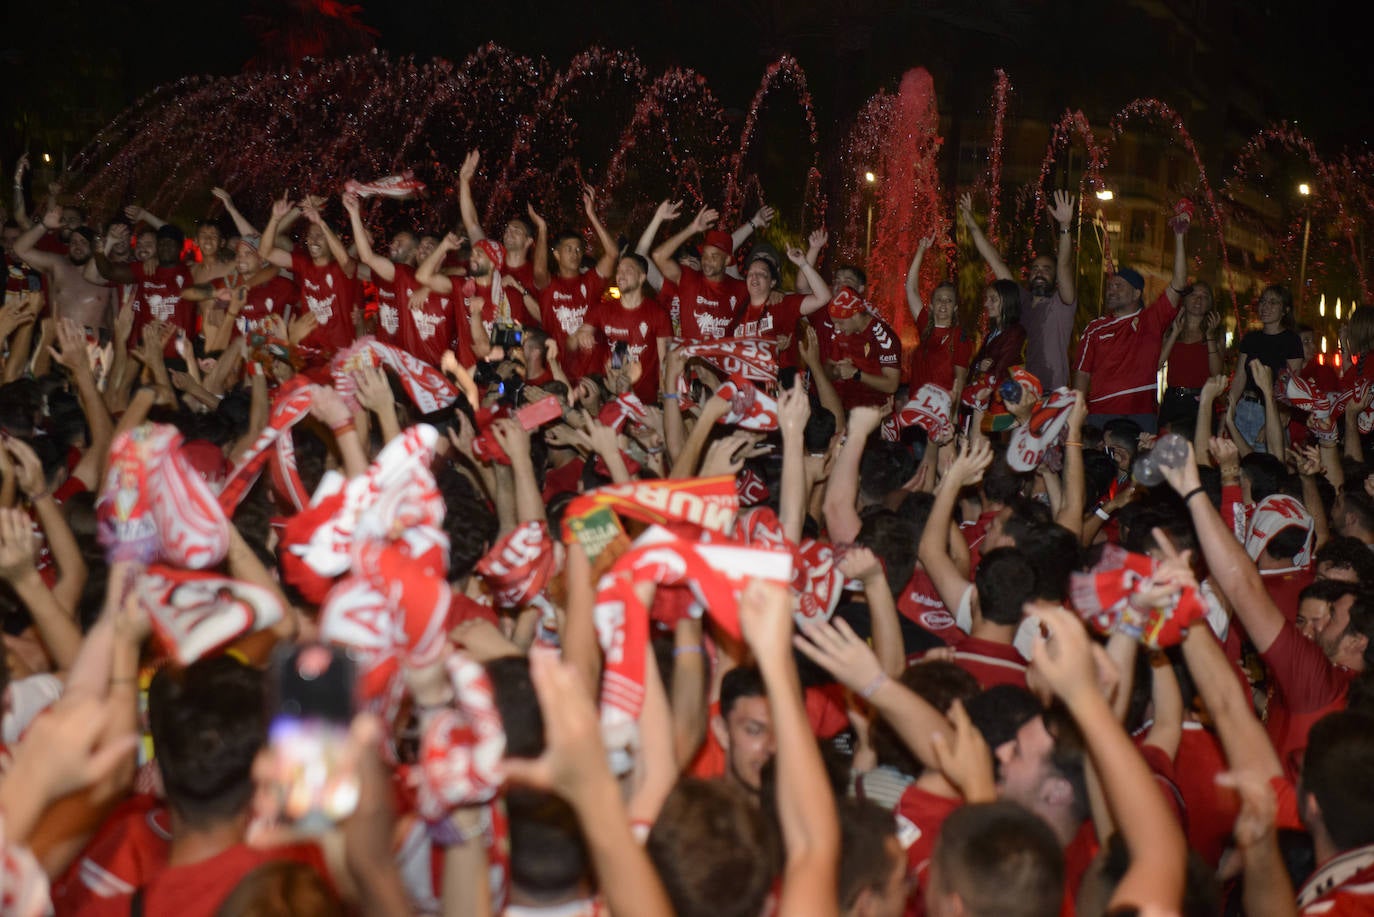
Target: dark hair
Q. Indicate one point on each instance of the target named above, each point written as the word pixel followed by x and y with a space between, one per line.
pixel 774 275
pixel 1005 581
pixel 1001 482
pixel 893 540
pixel 1336 769
pixel 938 683
pixel 565 235
pixel 884 467
pixel 1286 543
pixel 1346 553
pixel 1000 711
pixel 740 682
pixel 714 850
pixel 1010 295
pixel 865 864
pixel 548 857
pixel 470 525
pixel 1360 505
pixel 1266 473
pixel 1122 431
pixel 1053 553
pixel 638 260
pixel 208 723
pixel 1000 860
pixel 281 888
pixel 854 269
pixel 1286 297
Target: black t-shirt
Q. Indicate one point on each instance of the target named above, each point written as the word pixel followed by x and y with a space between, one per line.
pixel 1273 350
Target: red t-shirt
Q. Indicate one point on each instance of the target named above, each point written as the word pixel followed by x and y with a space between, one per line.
pixel 778 321
pixel 274 296
pixel 1078 856
pixel 1284 589
pixel 1212 809
pixel 329 295
pixel 128 849
pixel 935 358
pixel 563 308
pixel 157 297
pixel 989 662
pixel 1343 887
pixel 920 815
pixel 435 326
pixel 707 307
pixel 524 274
pixel 920 602
pixel 393 299
pixel 1306 687
pixel 871 350
pixel 1188 365
pixel 1122 356
pixel 639 329
pixel 198 889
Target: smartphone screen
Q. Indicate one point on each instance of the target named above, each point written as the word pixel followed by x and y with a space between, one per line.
pixel 314 769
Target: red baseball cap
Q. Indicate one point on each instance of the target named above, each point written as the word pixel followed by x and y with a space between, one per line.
pixel 719 238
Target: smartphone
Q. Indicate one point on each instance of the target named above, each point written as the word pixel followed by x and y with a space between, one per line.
pixel 314 769
pixel 35 283
pixel 620 354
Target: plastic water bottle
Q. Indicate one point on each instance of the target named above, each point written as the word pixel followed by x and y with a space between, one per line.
pixel 1171 451
pixel 1146 470
pixel 1011 391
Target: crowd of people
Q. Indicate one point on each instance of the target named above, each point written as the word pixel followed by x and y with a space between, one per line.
pixel 468 575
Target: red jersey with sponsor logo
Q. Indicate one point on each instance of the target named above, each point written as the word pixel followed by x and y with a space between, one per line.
pixel 778 321
pixel 393 297
pixel 329 294
pixel 920 602
pixel 524 274
pixel 275 296
pixel 707 308
pixel 436 325
pixel 639 330
pixel 935 358
pixel 871 350
pixel 157 298
pixel 1122 356
pixel 563 308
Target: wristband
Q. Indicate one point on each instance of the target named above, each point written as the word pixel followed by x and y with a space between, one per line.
pixel 684 650
pixel 1193 493
pixel 1071 442
pixel 669 396
pixel 1102 514
pixel 872 687
pixel 345 427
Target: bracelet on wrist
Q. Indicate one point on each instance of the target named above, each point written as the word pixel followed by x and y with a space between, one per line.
pixel 1102 514
pixel 692 649
pixel 872 687
pixel 1193 493
pixel 345 427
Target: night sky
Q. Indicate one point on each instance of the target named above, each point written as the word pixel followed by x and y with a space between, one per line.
pixel 1293 61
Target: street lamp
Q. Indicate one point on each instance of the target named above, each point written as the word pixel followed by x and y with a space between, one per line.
pixel 1105 194
pixel 1305 191
pixel 871 178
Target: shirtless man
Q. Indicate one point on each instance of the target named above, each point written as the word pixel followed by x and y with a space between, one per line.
pixel 73 296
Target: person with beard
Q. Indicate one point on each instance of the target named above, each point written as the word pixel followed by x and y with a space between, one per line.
pixel 393 274
pixel 709 297
pixel 635 320
pixel 1117 367
pixel 526 242
pixel 485 298
pixel 164 290
pixel 73 295
pixel 1047 306
pixel 325 274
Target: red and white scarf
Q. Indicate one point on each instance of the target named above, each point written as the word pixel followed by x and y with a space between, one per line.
pixel 755 359
pixel 750 408
pixel 155 506
pixel 194 614
pixel 1102 597
pixel 704 503
pixel 1031 440
pixel 290 405
pixel 461 747
pixel 930 410
pixel 518 566
pixel 427 387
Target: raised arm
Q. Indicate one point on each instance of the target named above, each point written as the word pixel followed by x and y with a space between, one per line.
pixel 1154 879
pixel 336 247
pixel 758 221
pixel 428 272
pixel 245 228
pixel 24 246
pixel 1232 568
pixel 268 248
pixel 663 255
pixel 814 243
pixel 21 214
pixel 380 267
pixel 985 250
pixel 842 492
pixel 805 805
pixel 913 280
pixel 819 297
pixel 794 410
pixel 540 255
pixel 466 207
pixel 1065 275
pixel 1070 515
pixel 605 265
pixel 1179 281
pixel 933 549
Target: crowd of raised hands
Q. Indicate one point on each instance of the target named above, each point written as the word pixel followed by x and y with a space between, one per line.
pixel 641 624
